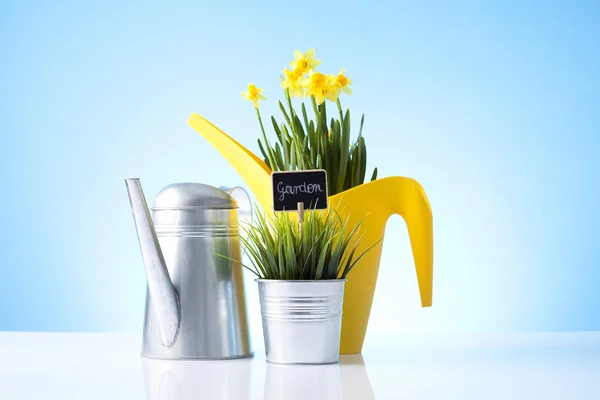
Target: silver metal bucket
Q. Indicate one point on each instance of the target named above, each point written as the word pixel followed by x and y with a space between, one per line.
pixel 302 320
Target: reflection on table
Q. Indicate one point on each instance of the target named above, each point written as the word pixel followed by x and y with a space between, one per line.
pixel 183 380
pixel 347 380
pixel 231 379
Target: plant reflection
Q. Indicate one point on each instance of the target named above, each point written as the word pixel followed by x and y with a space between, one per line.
pixel 346 380
pixel 232 380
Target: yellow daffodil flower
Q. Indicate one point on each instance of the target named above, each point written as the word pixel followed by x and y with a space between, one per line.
pixel 304 62
pixel 342 82
pixel 332 91
pixel 253 94
pixel 318 85
pixel 293 82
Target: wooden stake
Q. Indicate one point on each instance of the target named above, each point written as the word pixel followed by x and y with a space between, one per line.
pixel 300 216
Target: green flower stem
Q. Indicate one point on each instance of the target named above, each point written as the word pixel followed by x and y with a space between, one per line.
pixel 314 104
pixel 269 150
pixel 339 104
pixel 285 115
pixel 291 121
pixel 299 155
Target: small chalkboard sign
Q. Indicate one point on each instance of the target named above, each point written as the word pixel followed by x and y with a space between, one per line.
pixel 294 189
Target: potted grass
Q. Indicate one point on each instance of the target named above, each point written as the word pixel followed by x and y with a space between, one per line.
pixel 301 271
pixel 315 132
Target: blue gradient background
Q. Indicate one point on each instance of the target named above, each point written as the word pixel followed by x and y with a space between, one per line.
pixel 493 106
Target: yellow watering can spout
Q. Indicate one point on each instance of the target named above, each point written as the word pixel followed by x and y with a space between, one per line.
pixel 377 200
pixel 252 169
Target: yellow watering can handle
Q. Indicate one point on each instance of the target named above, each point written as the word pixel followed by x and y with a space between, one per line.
pixel 406 197
pixel 410 201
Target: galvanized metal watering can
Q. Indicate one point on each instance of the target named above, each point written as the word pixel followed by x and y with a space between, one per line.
pixel 195 300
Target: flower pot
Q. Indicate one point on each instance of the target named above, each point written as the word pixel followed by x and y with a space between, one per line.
pixel 301 320
pixel 376 200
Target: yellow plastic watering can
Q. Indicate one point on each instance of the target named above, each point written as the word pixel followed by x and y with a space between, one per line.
pixel 378 200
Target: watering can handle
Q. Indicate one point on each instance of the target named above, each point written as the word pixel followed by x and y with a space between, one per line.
pixel 242 198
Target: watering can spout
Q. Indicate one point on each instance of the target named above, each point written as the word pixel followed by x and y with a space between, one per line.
pixel 162 291
pixel 253 170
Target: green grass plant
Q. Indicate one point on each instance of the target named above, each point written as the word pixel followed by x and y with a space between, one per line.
pixel 324 249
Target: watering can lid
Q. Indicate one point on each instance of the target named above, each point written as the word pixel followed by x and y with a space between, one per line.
pixel 193 195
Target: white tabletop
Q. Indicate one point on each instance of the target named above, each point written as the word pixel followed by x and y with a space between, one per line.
pixel 486 366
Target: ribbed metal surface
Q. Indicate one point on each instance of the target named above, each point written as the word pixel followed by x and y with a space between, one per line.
pixel 314 308
pixel 198 222
pixel 301 320
pixel 196 230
